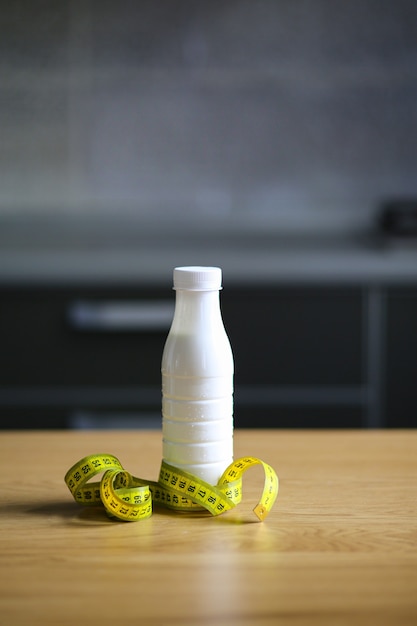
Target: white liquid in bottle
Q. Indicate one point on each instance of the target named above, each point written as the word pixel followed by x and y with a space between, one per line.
pixel 197 378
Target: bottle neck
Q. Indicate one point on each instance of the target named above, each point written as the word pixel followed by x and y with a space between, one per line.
pixel 196 309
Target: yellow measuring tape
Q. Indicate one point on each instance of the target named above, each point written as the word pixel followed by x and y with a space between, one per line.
pixel 130 499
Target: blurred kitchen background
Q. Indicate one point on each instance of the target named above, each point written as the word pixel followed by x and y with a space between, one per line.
pixel 275 138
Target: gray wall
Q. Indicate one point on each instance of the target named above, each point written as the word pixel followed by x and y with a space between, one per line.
pixel 283 111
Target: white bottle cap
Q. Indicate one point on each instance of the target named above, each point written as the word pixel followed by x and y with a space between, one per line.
pixel 197 278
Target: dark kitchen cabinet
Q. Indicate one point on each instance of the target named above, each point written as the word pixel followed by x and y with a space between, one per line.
pixel 298 355
pixel 305 356
pixel 71 350
pixel 295 336
pixel 401 359
pixel 44 343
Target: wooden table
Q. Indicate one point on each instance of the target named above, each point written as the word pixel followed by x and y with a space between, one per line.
pixel 339 547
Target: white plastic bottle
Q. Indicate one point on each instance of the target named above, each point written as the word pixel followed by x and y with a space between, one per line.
pixel 197 378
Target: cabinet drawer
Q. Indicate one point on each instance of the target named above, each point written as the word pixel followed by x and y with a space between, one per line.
pixel 83 336
pixel 296 336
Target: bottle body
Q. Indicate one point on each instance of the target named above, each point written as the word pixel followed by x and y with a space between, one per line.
pixel 197 385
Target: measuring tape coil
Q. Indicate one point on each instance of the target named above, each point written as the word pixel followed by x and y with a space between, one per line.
pixel 131 499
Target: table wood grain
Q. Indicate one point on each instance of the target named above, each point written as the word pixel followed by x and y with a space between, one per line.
pixel 339 547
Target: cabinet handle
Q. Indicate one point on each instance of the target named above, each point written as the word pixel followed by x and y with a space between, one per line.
pixel 115 316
